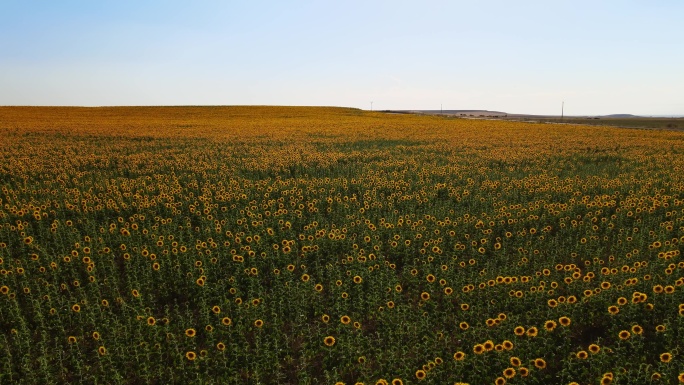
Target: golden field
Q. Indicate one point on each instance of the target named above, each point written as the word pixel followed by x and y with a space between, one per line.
pixel 307 245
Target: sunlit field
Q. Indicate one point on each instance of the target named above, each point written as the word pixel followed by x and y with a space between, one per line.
pixel 293 245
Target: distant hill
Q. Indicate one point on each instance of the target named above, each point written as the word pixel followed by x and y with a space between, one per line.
pixel 459 112
pixel 620 116
pixel 499 114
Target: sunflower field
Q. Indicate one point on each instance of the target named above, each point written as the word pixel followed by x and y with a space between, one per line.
pixel 311 245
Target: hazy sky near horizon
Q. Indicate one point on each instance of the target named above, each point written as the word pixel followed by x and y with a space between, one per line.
pixel 600 57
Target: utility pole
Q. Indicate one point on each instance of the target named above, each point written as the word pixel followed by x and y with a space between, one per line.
pixel 562 110
pixel 371 106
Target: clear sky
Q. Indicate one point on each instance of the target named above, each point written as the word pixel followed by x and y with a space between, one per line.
pixel 600 57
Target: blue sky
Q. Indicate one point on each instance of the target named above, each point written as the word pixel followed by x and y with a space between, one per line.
pixel 600 57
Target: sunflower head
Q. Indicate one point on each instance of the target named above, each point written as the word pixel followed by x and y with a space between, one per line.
pixel 666 357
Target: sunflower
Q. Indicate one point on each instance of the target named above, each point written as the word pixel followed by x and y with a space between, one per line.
pixel 500 381
pixel 459 356
pixel 216 309
pixel 660 328
pixel 259 323
pixel 624 334
pixel 463 325
pixel 532 332
pixel 151 321
pixel 509 372
pixel 420 374
pixel 425 296
pixel 381 381
pixel 656 376
pixel 478 349
pixel 102 350
pixel 190 332
pixel 613 310
pixel 329 341
pixel 430 278
pixel 552 303
pixel 226 321
pixel 622 301
pixel 325 318
pixel 345 319
pixel 680 378
pixel 539 363
pixel 397 381
pixel 488 345
pixel 390 304
pixel 524 372
pixel 519 330
pixel 515 361
pixel 465 306
pixel 666 357
pixel 76 308
pixel 549 325
pixel 72 339
pixel 636 329
pixel 593 348
pixel 564 321
pixel 582 355
pixel 191 355
pixel 507 345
